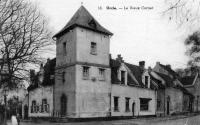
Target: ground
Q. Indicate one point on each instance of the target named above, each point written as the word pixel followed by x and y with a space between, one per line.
pixel 181 120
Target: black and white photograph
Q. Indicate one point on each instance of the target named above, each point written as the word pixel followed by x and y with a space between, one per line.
pixel 99 62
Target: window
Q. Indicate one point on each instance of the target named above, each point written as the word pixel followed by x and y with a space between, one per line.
pixel 92 23
pixel 33 107
pixel 127 109
pixel 64 48
pixel 116 105
pixel 144 104
pixel 101 74
pixel 85 72
pixel 93 50
pixel 146 81
pixel 122 77
pixel 63 77
pixel 158 104
pixel 37 108
pixel 44 105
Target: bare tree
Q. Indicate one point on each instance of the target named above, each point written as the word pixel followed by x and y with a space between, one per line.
pixel 24 35
pixel 193 48
pixel 183 11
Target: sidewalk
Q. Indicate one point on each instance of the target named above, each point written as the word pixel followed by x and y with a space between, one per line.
pixel 157 119
pixel 135 120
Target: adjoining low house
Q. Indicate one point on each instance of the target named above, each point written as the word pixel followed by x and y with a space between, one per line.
pixel 39 101
pixel 131 92
pixel 192 84
pixel 172 97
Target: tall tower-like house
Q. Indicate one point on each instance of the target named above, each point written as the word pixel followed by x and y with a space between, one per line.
pixel 83 76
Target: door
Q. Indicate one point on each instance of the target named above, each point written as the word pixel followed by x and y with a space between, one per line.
pixel 63 108
pixel 133 108
pixel 167 107
pixel 25 112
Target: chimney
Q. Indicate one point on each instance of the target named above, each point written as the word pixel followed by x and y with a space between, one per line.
pixel 142 64
pixel 119 58
pixel 110 56
pixel 149 69
pixel 157 63
pixel 168 66
pixel 48 60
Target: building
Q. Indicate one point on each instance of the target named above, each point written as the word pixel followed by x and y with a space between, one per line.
pixel 172 97
pixel 131 91
pixel 39 100
pixel 192 84
pixel 82 59
pixel 83 81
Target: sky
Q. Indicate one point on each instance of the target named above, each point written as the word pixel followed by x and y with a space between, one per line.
pixel 139 35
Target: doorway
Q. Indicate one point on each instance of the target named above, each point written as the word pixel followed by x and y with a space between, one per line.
pixel 167 107
pixel 63 104
pixel 25 112
pixel 133 108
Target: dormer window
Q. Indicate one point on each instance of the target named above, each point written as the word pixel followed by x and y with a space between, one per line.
pixel 146 81
pixel 93 48
pixel 123 73
pixel 92 23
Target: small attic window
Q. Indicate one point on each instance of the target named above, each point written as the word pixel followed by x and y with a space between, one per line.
pixel 146 81
pixel 92 23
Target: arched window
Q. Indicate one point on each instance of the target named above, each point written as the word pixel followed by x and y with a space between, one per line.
pixel 63 102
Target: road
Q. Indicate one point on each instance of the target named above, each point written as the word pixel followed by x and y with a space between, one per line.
pixel 195 120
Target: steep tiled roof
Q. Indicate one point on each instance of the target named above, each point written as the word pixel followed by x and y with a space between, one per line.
pixel 158 82
pixel 185 91
pixel 170 83
pixel 83 18
pixel 137 72
pixel 187 80
pixel 168 79
pixel 172 72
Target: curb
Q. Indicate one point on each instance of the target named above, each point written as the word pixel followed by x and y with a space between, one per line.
pixel 157 119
